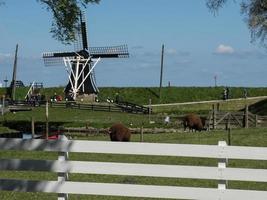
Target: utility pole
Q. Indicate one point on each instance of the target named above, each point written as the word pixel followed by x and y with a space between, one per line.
pixel 46 120
pixel 13 83
pixel 161 71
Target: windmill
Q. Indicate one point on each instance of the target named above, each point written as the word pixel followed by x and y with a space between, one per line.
pixel 80 64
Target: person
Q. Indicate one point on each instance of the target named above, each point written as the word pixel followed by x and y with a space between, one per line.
pixel 227 93
pixel 167 119
pixel 245 92
pixel 224 94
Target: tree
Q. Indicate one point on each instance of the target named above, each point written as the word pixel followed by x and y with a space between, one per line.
pixel 65 16
pixel 255 13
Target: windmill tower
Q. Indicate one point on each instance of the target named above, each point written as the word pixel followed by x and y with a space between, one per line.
pixel 80 64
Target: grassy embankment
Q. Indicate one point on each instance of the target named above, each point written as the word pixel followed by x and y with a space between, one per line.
pixel 141 95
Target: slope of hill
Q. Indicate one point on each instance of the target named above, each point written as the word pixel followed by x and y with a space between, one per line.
pixel 141 95
pixel 259 108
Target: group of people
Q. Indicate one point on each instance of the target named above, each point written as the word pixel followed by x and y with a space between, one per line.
pixel 34 100
pixel 226 93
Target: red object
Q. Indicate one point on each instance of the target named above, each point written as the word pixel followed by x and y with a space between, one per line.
pixel 53 137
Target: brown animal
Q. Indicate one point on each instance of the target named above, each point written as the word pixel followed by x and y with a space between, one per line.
pixel 193 122
pixel 118 132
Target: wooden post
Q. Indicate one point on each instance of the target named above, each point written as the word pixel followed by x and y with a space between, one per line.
pixel 256 121
pixel 149 112
pixel 229 136
pixel 33 129
pixel 213 116
pixel 246 117
pixel 46 117
pixel 228 122
pixel 142 133
pixel 3 105
pixel 218 106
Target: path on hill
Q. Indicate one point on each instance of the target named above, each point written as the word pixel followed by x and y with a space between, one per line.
pixel 202 102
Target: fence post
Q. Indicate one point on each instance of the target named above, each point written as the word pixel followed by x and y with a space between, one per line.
pixel 46 121
pixel 33 128
pixel 246 117
pixel 256 121
pixel 213 116
pixel 142 133
pixel 229 136
pixel 62 176
pixel 149 111
pixel 228 122
pixel 222 184
pixel 3 105
pixel 218 107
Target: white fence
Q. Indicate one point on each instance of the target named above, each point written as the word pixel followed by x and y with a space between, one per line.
pixel 64 187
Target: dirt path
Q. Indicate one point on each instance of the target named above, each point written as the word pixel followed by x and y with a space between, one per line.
pixel 202 102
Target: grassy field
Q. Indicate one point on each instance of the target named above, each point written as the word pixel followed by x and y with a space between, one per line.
pixel 250 137
pixel 21 121
pixel 81 118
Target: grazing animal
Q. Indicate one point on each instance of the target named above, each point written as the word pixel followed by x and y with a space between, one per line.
pixel 118 132
pixel 193 122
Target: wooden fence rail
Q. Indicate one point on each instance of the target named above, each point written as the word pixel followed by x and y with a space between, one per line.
pixel 133 108
pixel 62 166
pixel 245 119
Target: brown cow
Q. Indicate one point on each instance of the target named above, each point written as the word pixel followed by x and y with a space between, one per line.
pixel 193 122
pixel 118 132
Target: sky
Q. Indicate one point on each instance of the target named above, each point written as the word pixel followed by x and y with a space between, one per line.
pixel 198 45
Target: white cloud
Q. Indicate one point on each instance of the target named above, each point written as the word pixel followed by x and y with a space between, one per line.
pixel 5 58
pixel 5 55
pixel 171 51
pixel 224 49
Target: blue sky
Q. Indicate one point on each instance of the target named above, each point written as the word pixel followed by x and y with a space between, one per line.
pixel 198 45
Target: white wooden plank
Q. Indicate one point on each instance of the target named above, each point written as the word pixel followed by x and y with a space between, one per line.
pixel 111 147
pixel 162 192
pixel 155 170
pixel 184 150
pixel 246 153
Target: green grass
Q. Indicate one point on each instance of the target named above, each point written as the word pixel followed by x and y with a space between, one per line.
pixel 79 118
pixel 233 105
pixel 141 95
pixel 72 118
pixel 243 137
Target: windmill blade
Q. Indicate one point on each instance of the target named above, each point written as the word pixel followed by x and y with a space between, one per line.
pixel 56 58
pixel 83 31
pixel 120 51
